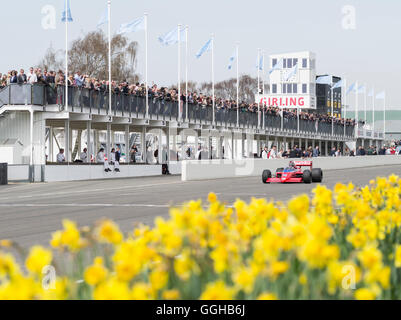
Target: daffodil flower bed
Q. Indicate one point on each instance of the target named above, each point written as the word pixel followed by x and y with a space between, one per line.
pixel 340 244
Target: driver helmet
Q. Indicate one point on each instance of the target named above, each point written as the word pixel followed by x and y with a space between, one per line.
pixel 292 164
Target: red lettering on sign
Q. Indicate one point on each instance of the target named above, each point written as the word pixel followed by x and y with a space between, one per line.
pixel 301 101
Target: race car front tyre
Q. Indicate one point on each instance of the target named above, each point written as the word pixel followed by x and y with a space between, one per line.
pixel 317 175
pixel 266 175
pixel 278 175
pixel 307 176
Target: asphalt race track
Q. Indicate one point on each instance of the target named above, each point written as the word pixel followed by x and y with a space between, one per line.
pixel 29 213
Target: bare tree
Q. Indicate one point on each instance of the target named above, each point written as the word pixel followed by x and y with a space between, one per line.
pixel 89 55
pixel 227 89
pixel 52 59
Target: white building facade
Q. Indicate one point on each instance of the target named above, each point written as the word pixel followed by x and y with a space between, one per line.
pixel 292 81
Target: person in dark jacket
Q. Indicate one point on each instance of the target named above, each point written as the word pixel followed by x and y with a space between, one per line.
pixel 13 78
pixel 21 77
pixel 294 153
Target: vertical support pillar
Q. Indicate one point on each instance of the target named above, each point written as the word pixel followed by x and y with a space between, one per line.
pixel 196 144
pixel 242 145
pixel 113 139
pixel 183 143
pixel 222 142
pixel 326 144
pixel 285 147
pixel 143 144
pixel 88 140
pixel 51 145
pixel 300 143
pixel 108 140
pixel 168 144
pixel 96 142
pixel 210 145
pixel 160 147
pixel 127 145
pixel 31 137
pixel 174 142
pixel 67 139
pixel 258 146
pixel 320 147
pixel 292 143
pixel 79 145
pixel 232 146
pixel 70 144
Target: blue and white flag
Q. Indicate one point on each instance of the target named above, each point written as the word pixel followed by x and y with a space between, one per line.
pixel 206 48
pixel 292 72
pixel 381 95
pixel 104 19
pixel 66 13
pixel 352 88
pixel 259 63
pixel 362 89
pixel 171 37
pixel 324 80
pixel 232 59
pixel 339 84
pixel 133 26
pixel 371 93
pixel 277 66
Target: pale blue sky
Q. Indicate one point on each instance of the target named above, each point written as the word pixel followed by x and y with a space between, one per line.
pixel 370 53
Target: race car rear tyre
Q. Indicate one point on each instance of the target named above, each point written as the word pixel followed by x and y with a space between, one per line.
pixel 279 170
pixel 317 175
pixel 307 176
pixel 266 175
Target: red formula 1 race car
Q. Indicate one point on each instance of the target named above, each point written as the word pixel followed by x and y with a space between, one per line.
pixel 294 173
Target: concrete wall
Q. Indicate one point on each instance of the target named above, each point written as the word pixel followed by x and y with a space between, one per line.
pixel 53 173
pixel 18 172
pixel 92 172
pixel 217 169
pixel 24 173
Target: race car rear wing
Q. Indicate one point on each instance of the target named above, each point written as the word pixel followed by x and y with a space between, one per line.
pixel 303 163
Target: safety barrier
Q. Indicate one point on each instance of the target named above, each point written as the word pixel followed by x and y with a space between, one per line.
pixel 219 169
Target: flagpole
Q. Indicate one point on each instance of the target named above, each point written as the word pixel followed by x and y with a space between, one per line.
pixel 66 54
pixel 332 107
pixel 109 16
pixel 373 110
pixel 186 71
pixel 356 109
pixel 258 66
pixel 263 88
pixel 345 105
pixel 384 117
pixel 179 72
pixel 213 99
pixel 146 64
pixel 365 101
pixel 237 53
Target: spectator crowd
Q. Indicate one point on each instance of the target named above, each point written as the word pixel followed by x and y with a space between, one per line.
pixel 55 79
pixel 393 149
